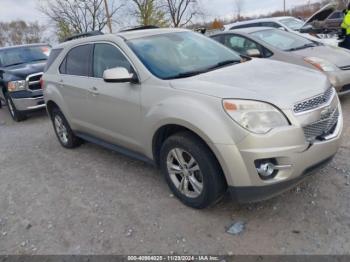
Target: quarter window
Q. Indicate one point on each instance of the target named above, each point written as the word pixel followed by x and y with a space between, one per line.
pixel 107 56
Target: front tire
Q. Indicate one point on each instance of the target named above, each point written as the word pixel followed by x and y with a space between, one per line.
pixel 63 131
pixel 192 171
pixel 15 114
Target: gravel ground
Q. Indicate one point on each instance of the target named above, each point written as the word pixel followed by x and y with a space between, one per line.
pixel 93 201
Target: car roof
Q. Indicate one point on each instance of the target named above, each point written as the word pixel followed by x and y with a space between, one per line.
pixel 267 19
pixel 126 35
pixel 20 46
pixel 247 30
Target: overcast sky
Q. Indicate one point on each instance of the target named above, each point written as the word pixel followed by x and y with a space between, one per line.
pixel 27 9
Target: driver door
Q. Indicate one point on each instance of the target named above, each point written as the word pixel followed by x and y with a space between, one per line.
pixel 114 108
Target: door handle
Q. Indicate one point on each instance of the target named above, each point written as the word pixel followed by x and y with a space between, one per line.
pixel 61 82
pixel 94 91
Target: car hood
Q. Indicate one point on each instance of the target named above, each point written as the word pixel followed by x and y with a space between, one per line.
pixel 23 70
pixel 337 56
pixel 322 14
pixel 275 82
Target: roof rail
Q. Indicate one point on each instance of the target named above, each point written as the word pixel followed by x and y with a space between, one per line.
pixel 82 35
pixel 140 28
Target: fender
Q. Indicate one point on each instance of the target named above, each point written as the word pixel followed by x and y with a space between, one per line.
pixel 207 119
pixel 52 94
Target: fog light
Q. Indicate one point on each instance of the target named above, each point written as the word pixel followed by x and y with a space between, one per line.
pixel 266 170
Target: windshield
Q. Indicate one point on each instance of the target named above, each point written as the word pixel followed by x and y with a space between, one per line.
pixel 181 54
pixel 23 55
pixel 292 23
pixel 283 40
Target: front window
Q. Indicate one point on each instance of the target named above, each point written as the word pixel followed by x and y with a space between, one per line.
pixel 292 23
pixel 23 55
pixel 283 40
pixel 107 56
pixel 181 54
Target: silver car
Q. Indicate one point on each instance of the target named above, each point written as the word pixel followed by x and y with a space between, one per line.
pixel 181 101
pixel 288 47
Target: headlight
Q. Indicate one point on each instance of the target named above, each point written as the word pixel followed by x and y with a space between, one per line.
pixel 16 85
pixel 257 117
pixel 321 64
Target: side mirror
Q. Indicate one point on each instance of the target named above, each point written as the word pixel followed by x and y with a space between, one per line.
pixel 253 53
pixel 118 75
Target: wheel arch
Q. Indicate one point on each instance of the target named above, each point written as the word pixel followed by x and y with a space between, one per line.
pixel 50 105
pixel 167 130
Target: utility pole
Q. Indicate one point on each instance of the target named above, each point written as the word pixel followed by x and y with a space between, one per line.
pixel 284 7
pixel 108 17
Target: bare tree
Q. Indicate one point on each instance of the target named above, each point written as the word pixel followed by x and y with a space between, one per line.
pixel 79 16
pixel 20 32
pixel 239 6
pixel 182 12
pixel 149 12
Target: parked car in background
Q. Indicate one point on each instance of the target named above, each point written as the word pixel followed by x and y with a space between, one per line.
pixel 326 20
pixel 188 104
pixel 287 47
pixel 21 68
pixel 286 23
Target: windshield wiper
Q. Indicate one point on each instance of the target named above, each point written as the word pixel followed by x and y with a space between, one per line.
pixel 14 64
pixel 224 63
pixel 186 74
pixel 198 72
pixel 302 47
pixel 37 60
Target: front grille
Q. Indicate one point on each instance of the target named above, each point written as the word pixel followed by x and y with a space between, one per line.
pixel 314 102
pixel 33 81
pixel 322 128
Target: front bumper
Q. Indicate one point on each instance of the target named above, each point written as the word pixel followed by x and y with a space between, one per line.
pixel 287 146
pixel 256 194
pixel 28 101
pixel 341 81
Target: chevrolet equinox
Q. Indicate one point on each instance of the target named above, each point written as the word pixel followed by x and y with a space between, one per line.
pixel 211 120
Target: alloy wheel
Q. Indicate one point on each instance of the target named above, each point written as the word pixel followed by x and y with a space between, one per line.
pixel 185 173
pixel 61 129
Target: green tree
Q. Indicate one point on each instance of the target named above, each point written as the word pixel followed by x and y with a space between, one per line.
pixel 64 30
pixel 149 12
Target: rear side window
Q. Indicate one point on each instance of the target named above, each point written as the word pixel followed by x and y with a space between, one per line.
pixel 77 61
pixel 336 15
pixel 53 55
pixel 246 26
pixel 107 56
pixel 270 24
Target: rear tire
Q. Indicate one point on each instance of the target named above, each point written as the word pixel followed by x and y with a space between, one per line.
pixel 192 171
pixel 15 114
pixel 63 131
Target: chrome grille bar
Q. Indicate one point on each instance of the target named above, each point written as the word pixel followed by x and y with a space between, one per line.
pixel 314 102
pixel 33 81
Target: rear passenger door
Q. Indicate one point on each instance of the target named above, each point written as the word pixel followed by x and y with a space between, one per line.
pixel 114 108
pixel 74 81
